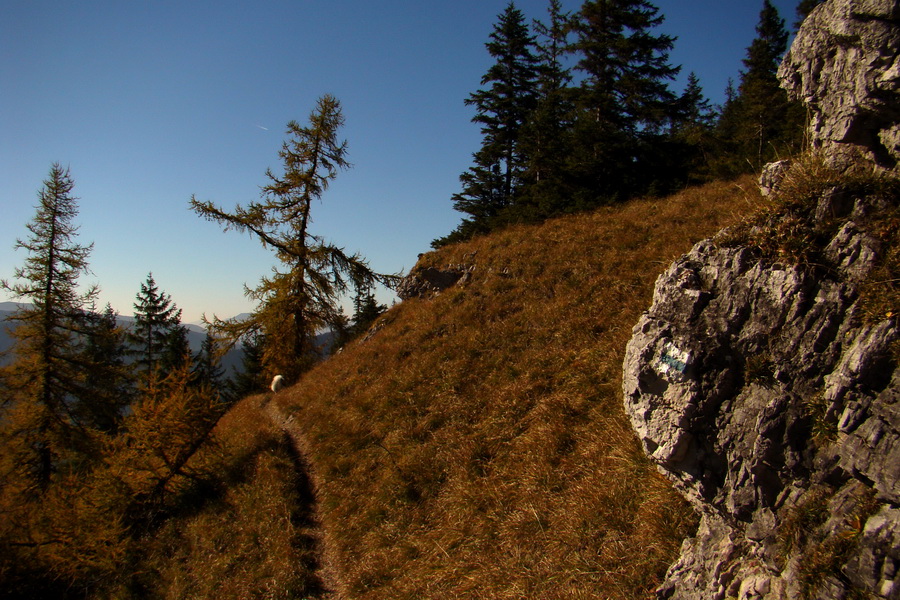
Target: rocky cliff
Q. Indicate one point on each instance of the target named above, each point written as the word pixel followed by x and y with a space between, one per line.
pixel 763 380
pixel 844 66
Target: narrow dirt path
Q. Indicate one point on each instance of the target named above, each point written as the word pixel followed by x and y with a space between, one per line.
pixel 306 518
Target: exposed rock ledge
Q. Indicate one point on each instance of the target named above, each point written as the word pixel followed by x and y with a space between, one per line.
pixel 758 387
pixel 423 281
pixel 845 66
pixel 732 381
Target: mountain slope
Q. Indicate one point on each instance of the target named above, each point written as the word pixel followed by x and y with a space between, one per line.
pixel 475 445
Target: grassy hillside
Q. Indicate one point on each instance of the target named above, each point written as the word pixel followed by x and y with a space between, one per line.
pixel 475 445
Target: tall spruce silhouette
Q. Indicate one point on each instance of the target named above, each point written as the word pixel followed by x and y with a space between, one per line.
pixel 624 99
pixel 492 184
pixel 760 123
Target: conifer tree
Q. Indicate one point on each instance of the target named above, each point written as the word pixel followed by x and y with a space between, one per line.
pixel 493 183
pixel 208 371
pixel 45 380
pixel 157 339
pixel 298 301
pixel 108 379
pixel 624 98
pixel 546 137
pixel 692 133
pixel 761 123
pixel 365 310
pixel 250 377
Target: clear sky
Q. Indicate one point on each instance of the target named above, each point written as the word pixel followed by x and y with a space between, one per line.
pixel 150 102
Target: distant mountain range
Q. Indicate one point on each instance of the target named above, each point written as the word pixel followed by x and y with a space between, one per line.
pixel 195 333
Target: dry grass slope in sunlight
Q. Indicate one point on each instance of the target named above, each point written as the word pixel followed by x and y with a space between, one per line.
pixel 475 446
pixel 252 538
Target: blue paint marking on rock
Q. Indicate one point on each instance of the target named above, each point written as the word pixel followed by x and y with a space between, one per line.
pixel 673 361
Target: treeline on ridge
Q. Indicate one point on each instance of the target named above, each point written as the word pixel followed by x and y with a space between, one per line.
pixel 577 112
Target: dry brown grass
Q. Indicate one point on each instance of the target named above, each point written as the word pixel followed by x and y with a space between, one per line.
pixel 249 536
pixel 476 447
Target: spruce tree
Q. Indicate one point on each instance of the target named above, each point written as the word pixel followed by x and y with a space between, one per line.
pixel 546 137
pixel 45 380
pixel 493 183
pixel 761 124
pixel 297 302
pixel 692 134
pixel 157 340
pixel 365 310
pixel 108 380
pixel 208 371
pixel 624 99
pixel 250 377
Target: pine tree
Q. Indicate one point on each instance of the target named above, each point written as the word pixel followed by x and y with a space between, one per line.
pixel 45 380
pixel 624 98
pixel 296 303
pixel 157 340
pixel 493 183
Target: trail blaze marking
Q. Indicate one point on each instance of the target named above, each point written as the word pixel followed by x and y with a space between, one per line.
pixel 673 361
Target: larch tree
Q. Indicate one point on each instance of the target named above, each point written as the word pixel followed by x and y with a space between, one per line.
pixel 44 383
pixel 302 298
pixel 502 106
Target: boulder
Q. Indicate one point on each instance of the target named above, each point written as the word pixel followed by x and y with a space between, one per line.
pixel 424 282
pixel 845 66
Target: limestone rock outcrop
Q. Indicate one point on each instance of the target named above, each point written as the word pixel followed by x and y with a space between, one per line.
pixel 845 66
pixel 761 392
pixel 425 281
pixel 760 381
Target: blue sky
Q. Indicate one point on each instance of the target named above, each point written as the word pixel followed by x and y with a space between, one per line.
pixel 150 102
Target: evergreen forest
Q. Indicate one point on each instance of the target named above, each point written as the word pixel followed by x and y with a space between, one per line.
pixel 578 111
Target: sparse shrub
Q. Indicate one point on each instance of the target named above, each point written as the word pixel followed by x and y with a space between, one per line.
pixel 822 548
pixel 785 227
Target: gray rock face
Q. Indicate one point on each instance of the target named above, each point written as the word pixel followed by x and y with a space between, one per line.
pixel 772 175
pixel 429 281
pixel 845 65
pixel 757 388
